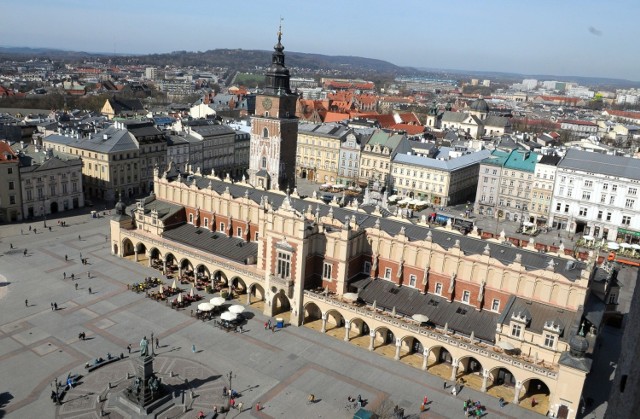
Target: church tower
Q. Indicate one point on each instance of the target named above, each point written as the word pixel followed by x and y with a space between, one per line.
pixel 274 128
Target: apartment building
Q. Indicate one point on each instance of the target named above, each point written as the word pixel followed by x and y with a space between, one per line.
pixel 318 151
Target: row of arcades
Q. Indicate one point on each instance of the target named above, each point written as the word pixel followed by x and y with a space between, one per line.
pixel 450 363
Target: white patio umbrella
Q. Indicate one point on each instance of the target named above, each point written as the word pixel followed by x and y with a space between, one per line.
pixel 174 285
pixel 613 246
pixel 236 309
pixel 625 245
pixel 180 297
pixel 161 290
pixel 420 318
pixel 228 316
pixel 588 238
pixel 505 345
pixel 635 246
pixel 191 293
pixel 205 307
pixel 217 301
pixel 350 296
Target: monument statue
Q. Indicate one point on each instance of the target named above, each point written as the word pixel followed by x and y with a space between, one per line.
pixel 144 347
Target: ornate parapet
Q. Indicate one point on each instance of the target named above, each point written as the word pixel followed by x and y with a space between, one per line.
pixel 286 284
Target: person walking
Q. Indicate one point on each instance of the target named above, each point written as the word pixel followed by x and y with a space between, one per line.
pixel 73 277
pixel 26 303
pixel 240 405
pixel 88 274
pixel 76 286
pixel 10 245
pixel 425 400
pixel 269 323
pixel 129 348
pixel 157 343
pixel 444 385
pixel 89 290
pixel 66 258
pixel 64 275
pixel 51 306
pixel 193 348
pixel 79 238
pixel 25 252
pixel 55 306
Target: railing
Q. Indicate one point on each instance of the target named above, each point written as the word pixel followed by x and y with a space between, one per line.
pixel 435 334
pixel 282 282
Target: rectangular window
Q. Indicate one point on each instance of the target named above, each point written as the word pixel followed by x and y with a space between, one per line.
pixel 626 220
pixel 387 273
pixel 599 215
pixel 603 198
pixel 222 227
pixel 190 218
pixel 608 216
pixel 239 232
pixel 588 183
pixel 366 268
pixel 614 188
pixel 438 290
pixel 566 207
pixel 605 186
pixel 629 203
pixel 586 196
pixel 10 170
pixel 465 296
pixel 284 265
pixel 516 329
pixel 583 212
pixel 12 200
pixel 206 222
pixel 549 340
pixel 11 185
pixel 412 280
pixel 495 304
pixel 326 270
pixel 633 191
pixel 558 206
pixel 257 236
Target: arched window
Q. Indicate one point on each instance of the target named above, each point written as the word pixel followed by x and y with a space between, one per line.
pixel 265 133
pixel 264 162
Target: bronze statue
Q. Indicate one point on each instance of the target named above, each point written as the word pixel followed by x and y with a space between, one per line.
pixel 144 347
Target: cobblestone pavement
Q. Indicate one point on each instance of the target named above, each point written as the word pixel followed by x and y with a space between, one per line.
pixel 279 370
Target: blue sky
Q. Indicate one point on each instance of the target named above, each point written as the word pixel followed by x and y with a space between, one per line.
pixel 566 37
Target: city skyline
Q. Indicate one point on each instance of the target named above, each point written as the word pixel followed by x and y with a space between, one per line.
pixel 563 39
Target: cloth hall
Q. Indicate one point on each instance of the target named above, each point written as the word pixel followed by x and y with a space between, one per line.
pixel 512 322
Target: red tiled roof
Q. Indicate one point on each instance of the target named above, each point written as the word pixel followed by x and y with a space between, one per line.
pixel 624 114
pixel 410 129
pixel 578 122
pixel 335 117
pixel 409 118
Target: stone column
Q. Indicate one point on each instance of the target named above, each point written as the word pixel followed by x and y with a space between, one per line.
pixel 164 266
pixel 149 261
pixel 425 359
pixel 135 255
pixel 398 345
pixel 347 326
pixel 324 323
pixel 372 339
pixel 485 379
pixel 249 297
pixel 454 370
pixel 179 271
pixel 516 392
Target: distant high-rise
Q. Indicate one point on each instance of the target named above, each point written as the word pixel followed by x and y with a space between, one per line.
pixel 150 73
pixel 274 128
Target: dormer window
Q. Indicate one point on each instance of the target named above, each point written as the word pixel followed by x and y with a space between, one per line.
pixel 516 330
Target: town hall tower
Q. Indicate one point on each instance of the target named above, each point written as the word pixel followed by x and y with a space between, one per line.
pixel 274 128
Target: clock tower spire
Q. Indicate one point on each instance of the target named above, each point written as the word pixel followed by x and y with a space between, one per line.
pixel 274 128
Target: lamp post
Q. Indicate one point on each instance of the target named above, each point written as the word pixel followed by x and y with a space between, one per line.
pixel 44 210
pixel 152 345
pixel 230 376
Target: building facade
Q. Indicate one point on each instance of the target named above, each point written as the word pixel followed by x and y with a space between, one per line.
pixel 597 195
pixel 10 196
pixel 375 159
pixel 542 192
pixel 51 183
pixel 349 160
pixel 318 152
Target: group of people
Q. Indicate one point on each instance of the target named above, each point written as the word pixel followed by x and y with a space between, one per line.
pixel 473 409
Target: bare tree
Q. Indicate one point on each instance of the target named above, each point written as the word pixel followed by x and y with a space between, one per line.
pixel 383 406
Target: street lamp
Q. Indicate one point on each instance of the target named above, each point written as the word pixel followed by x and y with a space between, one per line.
pixel 230 376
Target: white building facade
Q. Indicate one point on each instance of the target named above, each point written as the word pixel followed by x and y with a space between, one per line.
pixel 597 195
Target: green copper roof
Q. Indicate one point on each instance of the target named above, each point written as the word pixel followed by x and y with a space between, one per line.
pixel 522 160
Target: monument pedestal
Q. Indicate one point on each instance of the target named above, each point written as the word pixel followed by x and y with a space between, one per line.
pixel 146 392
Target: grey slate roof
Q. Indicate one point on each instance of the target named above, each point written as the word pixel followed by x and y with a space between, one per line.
pixel 470 245
pixel 450 116
pixel 118 140
pixel 616 166
pixel 460 317
pixel 496 121
pixel 539 313
pixel 217 243
pixel 165 209
pixel 212 130
pixel 445 165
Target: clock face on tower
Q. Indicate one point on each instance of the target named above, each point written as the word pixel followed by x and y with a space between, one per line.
pixel 266 103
